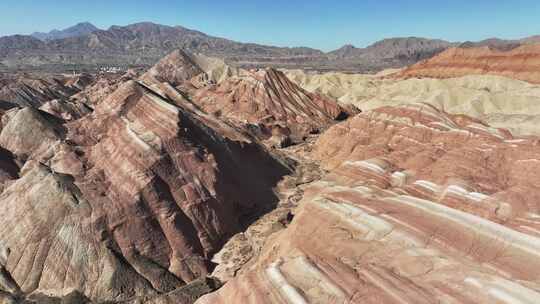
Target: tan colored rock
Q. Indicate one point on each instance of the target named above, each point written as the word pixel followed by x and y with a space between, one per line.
pixel 500 101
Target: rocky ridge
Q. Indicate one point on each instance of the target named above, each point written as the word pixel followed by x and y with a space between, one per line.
pixel 419 206
pixel 79 29
pixel 521 63
pixel 83 47
pixel 130 201
pixel 195 174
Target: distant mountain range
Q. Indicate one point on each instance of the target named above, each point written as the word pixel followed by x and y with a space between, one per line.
pixel 394 52
pixel 80 29
pixel 84 46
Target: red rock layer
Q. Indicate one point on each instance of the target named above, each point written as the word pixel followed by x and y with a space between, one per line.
pixel 521 63
pixel 35 90
pixel 103 86
pixel 419 207
pixel 129 201
pixel 175 68
pixel 270 102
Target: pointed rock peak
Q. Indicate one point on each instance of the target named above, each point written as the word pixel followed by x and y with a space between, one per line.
pixel 274 107
pixel 348 47
pixel 181 66
pixel 79 29
pixel 85 25
pixel 175 68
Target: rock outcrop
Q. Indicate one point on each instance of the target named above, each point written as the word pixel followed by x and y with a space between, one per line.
pixel 521 63
pixel 263 102
pixel 180 67
pixel 269 104
pixel 34 90
pixel 154 188
pixel 128 202
pixel 418 207
pixel 52 94
pixel 175 68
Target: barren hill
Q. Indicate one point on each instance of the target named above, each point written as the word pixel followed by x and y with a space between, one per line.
pixel 521 63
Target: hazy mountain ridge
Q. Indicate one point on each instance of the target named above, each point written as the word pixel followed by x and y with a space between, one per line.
pixel 390 53
pixel 142 44
pixel 80 29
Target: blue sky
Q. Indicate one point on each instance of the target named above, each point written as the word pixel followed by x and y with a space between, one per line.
pixel 322 24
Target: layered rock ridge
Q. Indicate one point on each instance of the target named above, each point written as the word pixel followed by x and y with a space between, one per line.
pixel 521 63
pixel 129 201
pixel 264 102
pixel 419 206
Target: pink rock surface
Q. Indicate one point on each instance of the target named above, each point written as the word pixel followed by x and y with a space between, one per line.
pixel 419 207
pixel 521 63
pixel 269 100
pixel 129 201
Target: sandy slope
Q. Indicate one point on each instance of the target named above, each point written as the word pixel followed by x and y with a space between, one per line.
pixel 500 101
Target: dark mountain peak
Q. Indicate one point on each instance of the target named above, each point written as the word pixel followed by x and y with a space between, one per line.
pixel 146 25
pixel 152 30
pixel 348 50
pixel 390 52
pixel 86 24
pixel 492 43
pixel 531 39
pixel 79 29
pixel 347 47
pixel 409 42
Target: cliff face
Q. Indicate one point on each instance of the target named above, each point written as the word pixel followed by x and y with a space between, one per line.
pixel 419 206
pixel 521 63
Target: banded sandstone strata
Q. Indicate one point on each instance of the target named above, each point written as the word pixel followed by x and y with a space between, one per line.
pixel 129 201
pixel 419 207
pixel 521 63
pixel 269 102
pixel 263 102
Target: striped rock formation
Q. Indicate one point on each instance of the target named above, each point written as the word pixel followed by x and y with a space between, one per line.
pixel 418 207
pixel 128 202
pixel 34 90
pixel 270 105
pixel 521 63
pixel 101 87
pixel 181 67
pixel 263 102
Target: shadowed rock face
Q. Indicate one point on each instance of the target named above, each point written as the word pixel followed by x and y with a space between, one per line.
pixel 521 63
pixel 129 201
pixel 419 207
